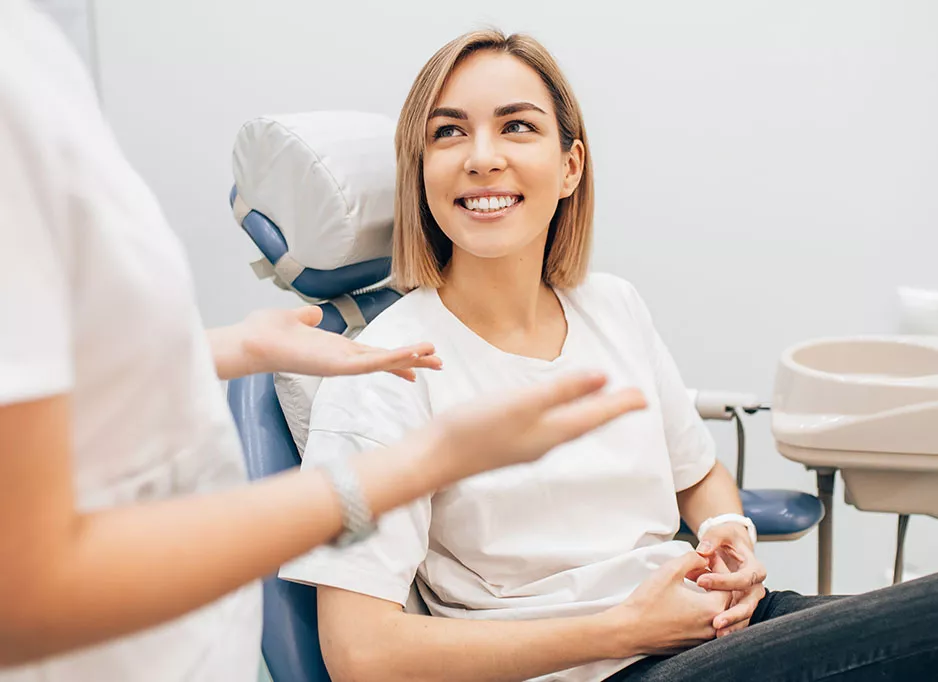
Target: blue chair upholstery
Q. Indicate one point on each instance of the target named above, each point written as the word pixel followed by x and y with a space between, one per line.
pixel 778 514
pixel 318 284
pixel 290 642
pixel 370 304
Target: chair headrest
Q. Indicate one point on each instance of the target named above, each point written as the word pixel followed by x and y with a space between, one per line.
pixel 315 192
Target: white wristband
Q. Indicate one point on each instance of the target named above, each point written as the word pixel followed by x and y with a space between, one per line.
pixel 728 518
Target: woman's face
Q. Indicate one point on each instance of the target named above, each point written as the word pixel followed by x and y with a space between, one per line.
pixel 494 170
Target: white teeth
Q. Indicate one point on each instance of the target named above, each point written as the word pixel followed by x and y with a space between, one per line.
pixel 488 204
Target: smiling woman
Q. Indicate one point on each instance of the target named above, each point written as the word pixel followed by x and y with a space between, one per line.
pixel 486 203
pixel 509 106
pixel 566 569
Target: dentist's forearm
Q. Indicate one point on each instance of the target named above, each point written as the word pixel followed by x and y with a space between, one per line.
pixel 72 579
pixel 231 359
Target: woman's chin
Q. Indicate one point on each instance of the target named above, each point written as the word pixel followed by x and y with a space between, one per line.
pixel 491 247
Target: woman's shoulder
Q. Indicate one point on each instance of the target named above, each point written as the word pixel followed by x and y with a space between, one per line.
pixel 380 405
pixel 402 323
pixel 606 289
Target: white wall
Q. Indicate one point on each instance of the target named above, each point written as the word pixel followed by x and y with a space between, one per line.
pixel 767 171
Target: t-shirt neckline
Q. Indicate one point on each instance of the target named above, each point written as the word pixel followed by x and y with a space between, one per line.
pixel 463 331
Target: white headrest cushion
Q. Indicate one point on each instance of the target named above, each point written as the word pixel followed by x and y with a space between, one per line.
pixel 325 178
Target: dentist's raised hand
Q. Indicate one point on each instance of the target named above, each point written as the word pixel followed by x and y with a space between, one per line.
pixel 521 427
pixel 288 341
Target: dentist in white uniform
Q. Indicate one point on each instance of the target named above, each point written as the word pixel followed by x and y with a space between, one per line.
pixel 130 543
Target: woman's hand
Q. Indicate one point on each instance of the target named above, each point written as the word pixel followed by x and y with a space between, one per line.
pixel 288 341
pixel 665 615
pixel 526 425
pixel 736 571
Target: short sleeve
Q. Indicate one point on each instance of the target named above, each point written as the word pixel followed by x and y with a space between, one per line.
pixel 691 446
pixel 352 415
pixel 35 339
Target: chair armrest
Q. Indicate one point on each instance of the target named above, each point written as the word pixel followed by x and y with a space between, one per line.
pixel 720 404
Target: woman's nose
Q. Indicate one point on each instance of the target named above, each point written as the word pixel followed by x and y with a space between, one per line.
pixel 484 156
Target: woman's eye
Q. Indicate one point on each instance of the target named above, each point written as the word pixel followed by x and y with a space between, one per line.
pixel 446 131
pixel 519 127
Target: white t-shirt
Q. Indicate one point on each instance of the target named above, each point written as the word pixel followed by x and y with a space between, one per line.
pixel 96 300
pixel 571 534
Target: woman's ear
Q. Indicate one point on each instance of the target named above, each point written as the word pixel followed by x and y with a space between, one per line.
pixel 572 168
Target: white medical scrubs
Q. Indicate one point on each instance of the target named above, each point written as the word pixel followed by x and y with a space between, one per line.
pixel 96 300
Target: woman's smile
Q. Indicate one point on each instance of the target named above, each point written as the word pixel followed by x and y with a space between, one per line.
pixel 487 206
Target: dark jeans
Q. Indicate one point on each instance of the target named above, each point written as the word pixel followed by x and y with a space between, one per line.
pixel 888 634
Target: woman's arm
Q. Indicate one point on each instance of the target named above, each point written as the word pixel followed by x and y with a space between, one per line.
pixel 72 578
pixel 727 546
pixel 364 638
pixel 715 494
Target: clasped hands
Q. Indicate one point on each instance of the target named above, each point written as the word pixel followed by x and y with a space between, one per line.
pixel 733 568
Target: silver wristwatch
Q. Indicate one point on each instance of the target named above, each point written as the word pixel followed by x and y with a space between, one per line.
pixel 357 520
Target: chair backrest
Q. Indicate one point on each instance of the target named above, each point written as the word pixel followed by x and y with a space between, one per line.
pixel 314 192
pixel 290 641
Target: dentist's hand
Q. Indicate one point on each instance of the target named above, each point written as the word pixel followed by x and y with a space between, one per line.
pixel 527 424
pixel 288 341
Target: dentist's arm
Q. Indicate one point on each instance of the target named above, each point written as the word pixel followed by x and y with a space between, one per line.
pixel 288 341
pixel 72 578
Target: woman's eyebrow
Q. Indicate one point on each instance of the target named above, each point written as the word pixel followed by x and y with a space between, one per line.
pixel 504 110
pixel 514 108
pixel 448 112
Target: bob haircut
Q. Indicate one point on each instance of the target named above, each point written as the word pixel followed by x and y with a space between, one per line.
pixel 421 250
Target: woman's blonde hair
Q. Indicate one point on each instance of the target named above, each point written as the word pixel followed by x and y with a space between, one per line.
pixel 421 249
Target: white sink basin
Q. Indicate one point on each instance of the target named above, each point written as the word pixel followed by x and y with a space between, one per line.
pixel 869 407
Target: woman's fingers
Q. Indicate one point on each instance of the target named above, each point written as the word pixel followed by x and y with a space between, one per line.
pixel 725 581
pixel 737 614
pixel 738 617
pixel 742 579
pixel 734 628
pixel 697 572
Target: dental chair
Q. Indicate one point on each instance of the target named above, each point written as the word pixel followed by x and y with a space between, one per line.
pixel 314 193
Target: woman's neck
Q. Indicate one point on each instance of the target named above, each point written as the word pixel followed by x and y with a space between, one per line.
pixel 505 301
